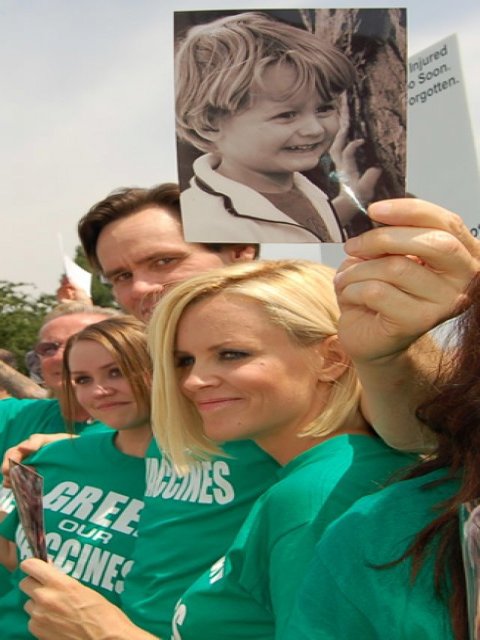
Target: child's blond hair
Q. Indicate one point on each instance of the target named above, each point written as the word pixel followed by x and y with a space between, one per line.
pixel 218 63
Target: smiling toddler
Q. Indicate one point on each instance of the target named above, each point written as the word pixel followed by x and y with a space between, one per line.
pixel 261 98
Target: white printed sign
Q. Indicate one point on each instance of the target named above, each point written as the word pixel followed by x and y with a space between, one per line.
pixel 441 158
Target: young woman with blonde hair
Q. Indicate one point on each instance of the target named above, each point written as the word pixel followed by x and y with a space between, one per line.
pixel 251 352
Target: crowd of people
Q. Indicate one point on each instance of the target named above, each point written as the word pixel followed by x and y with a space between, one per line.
pixel 252 449
pixel 284 398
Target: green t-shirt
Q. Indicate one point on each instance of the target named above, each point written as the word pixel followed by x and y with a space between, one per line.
pixel 19 419
pixel 344 595
pixel 93 498
pixel 187 523
pixel 250 592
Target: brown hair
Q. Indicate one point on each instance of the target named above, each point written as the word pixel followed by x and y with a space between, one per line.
pixel 119 204
pixel 124 338
pixel 125 202
pixel 454 415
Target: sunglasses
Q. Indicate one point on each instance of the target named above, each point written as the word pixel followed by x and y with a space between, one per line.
pixel 47 349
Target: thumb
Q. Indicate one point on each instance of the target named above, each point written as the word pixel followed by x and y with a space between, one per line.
pixel 43 572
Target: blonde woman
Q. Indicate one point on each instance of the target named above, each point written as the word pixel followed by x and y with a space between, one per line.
pixel 251 352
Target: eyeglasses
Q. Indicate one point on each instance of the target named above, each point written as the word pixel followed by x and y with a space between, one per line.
pixel 47 349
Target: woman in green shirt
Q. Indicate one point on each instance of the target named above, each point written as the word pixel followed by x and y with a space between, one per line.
pixel 252 351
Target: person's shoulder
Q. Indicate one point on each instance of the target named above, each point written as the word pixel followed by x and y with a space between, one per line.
pixel 400 511
pixel 83 448
pixel 8 403
pixel 15 405
pixel 19 418
pixel 10 407
pixel 40 405
pixel 316 471
pixel 296 497
pixel 309 476
pixel 27 412
pixel 372 451
pixel 343 457
pixel 424 489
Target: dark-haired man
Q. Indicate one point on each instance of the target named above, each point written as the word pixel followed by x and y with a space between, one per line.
pixel 134 239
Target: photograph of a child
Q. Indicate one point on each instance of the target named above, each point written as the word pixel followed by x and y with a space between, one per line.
pixel 266 147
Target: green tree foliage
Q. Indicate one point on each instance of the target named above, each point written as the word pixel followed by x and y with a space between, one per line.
pixel 21 313
pixel 101 293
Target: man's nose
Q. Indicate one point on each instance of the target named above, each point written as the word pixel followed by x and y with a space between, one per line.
pixel 142 286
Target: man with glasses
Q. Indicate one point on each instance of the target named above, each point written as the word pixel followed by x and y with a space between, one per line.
pixel 35 387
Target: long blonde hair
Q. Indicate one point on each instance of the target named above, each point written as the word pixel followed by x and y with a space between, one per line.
pixel 296 295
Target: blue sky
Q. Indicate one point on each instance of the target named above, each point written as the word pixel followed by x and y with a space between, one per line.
pixel 87 107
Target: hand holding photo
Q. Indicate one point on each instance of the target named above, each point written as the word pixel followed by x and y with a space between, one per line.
pixel 284 121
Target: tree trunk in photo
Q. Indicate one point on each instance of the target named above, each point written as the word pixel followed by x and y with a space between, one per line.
pixel 375 41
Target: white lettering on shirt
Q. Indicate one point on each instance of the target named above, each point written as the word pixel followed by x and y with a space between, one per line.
pixel 206 483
